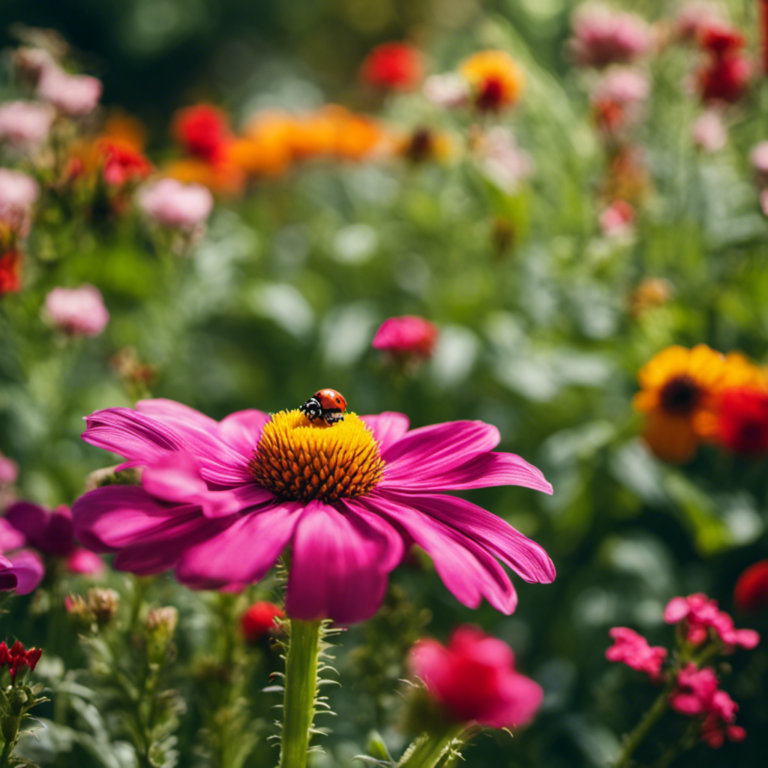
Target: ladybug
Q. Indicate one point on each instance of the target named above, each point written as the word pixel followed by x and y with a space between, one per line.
pixel 327 404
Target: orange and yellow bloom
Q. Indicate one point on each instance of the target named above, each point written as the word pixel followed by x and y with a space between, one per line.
pixel 495 79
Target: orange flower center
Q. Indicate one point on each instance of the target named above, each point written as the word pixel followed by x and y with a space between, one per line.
pixel 302 460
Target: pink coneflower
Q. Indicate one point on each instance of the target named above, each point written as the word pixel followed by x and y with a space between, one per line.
pixel 77 311
pixel 220 502
pixel 172 204
pixel 633 650
pixel 602 36
pixel 409 336
pixel 24 125
pixel 18 194
pixel 709 132
pixel 473 679
pixel 74 95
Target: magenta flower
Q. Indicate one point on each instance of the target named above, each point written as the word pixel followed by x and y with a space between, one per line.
pixel 694 690
pixel 408 336
pixel 704 619
pixel 172 204
pixel 18 194
pixel 24 125
pixel 221 501
pixel 75 95
pixel 719 725
pixel 77 311
pixel 20 569
pixel 473 679
pixel 633 650
pixel 48 531
pixel 602 36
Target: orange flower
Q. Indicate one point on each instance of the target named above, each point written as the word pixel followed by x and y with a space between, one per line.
pixel 680 395
pixel 224 178
pixel 266 148
pixel 496 80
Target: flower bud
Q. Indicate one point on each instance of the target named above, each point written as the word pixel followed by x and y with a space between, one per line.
pixel 103 604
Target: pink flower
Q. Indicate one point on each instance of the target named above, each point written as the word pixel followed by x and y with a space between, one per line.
pixel 718 724
pixel 20 569
pixel 9 471
pixel 84 562
pixel 406 336
pixel 709 132
pixel 173 204
pixel 18 194
pixel 74 95
pixel 448 90
pixel 695 16
pixel 624 86
pixel 703 619
pixel 77 311
pixel 694 690
pixel 617 219
pixel 502 160
pixel 633 650
pixel 220 501
pixel 25 125
pixel 602 36
pixel 474 679
pixel 50 531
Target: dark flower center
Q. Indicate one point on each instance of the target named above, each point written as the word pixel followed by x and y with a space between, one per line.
pixel 680 395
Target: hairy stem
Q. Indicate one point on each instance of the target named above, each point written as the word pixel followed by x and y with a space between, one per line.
pixel 430 748
pixel 300 692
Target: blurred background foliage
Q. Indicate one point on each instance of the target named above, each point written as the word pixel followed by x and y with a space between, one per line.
pixel 287 289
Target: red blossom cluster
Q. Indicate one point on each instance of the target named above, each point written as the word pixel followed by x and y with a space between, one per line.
pixel 726 72
pixel 259 621
pixel 393 67
pixel 16 658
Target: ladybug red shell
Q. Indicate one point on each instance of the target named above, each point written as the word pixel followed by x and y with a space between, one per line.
pixel 326 404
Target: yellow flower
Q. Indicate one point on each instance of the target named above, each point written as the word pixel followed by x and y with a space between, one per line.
pixel 496 80
pixel 680 393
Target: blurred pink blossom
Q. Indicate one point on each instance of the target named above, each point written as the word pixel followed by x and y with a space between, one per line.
pixel 694 690
pixel 77 311
pixel 9 471
pixel 617 219
pixel 718 724
pixel 709 131
pixel 447 90
pixel 502 160
pixel 474 679
pixel 18 193
pixel 25 125
pixel 173 204
pixel 84 562
pixel 632 649
pixel 603 36
pixel 406 336
pixel 695 16
pixel 623 85
pixel 75 95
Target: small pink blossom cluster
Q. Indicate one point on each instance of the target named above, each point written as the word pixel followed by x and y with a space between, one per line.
pixel 172 204
pixel 617 98
pixel 74 95
pixel 9 471
pixel 77 311
pixel 602 36
pixel 700 620
pixel 18 195
pixel 697 694
pixel 406 338
pixel 632 649
pixel 25 125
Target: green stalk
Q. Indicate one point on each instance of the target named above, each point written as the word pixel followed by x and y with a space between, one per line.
pixel 650 718
pixel 300 692
pixel 430 748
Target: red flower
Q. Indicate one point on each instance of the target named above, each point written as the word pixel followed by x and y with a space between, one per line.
pixel 743 421
pixel 259 621
pixel 474 679
pixel 123 163
pixel 17 658
pixel 764 34
pixel 720 39
pixel 725 77
pixel 751 592
pixel 10 272
pixel 393 66
pixel 203 131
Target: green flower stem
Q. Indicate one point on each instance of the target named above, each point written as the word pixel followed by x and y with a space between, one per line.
pixel 300 692
pixel 429 749
pixel 650 718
